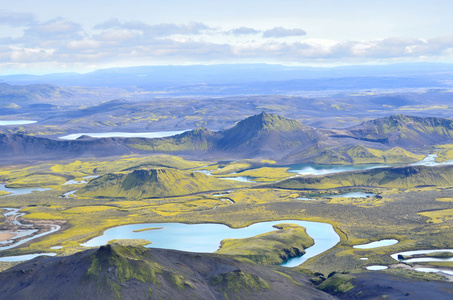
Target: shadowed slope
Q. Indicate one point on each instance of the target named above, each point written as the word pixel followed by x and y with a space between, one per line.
pixel 115 271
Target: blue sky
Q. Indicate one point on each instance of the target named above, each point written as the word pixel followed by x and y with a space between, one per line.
pixel 53 36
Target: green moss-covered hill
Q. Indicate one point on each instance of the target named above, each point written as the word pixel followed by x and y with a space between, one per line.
pixel 120 272
pixel 270 248
pixel 398 177
pixel 151 183
pixel 405 131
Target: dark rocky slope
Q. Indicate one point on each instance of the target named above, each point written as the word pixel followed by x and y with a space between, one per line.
pixel 115 271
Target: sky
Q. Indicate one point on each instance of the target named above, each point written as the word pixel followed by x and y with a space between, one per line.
pixel 47 36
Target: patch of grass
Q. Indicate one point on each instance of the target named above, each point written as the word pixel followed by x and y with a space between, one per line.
pixel 147 229
pixel 130 242
pixel 438 216
pixel 37 180
pixel 270 248
pixel 425 276
pixel 337 284
pixel 87 209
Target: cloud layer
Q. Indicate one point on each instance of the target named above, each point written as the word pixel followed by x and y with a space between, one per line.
pixel 61 43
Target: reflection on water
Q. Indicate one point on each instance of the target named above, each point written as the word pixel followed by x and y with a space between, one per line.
pixel 150 135
pixel 207 237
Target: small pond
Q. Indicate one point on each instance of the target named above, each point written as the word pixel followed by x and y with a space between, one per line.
pixel 381 243
pixel 352 195
pixel 376 268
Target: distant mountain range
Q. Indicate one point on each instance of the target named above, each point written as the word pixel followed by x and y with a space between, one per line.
pixel 388 139
pixel 249 78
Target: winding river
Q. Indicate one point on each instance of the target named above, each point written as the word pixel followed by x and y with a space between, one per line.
pixel 206 238
pixel 24 232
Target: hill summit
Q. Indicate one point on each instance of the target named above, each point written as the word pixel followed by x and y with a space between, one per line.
pixel 119 272
pixel 159 182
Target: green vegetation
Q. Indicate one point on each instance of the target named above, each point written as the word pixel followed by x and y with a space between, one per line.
pixel 445 154
pixel 195 140
pixel 130 242
pixel 153 183
pixel 419 217
pixel 337 284
pixel 270 248
pixel 401 177
pixel 234 281
pixel 146 229
pixel 37 180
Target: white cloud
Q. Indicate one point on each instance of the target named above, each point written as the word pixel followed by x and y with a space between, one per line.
pixel 280 32
pixel 243 31
pixel 65 43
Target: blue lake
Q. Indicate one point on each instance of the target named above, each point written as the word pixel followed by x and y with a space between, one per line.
pixel 151 135
pixel 14 191
pixel 15 122
pixel 207 237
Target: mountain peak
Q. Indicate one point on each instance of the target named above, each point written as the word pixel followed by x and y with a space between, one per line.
pixel 268 122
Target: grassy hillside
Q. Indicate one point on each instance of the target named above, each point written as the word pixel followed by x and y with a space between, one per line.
pixel 161 182
pixel 270 248
pixel 360 154
pixel 406 130
pixel 401 177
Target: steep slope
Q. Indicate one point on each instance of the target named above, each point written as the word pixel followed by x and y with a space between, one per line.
pixel 400 177
pixel 405 131
pixel 267 135
pixel 22 147
pixel 200 139
pixel 154 183
pixel 115 271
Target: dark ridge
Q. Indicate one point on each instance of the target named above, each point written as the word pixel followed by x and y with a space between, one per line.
pixel 119 272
